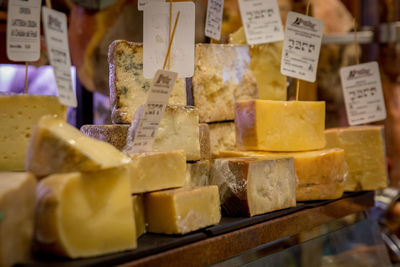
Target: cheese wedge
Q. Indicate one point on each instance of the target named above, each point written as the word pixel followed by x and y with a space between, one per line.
pixel 222 137
pixel 56 146
pixel 138 211
pixel 85 214
pixel 365 155
pixel 114 134
pixel 251 186
pixel 280 125
pixel 197 173
pixel 183 210
pixel 18 116
pixel 17 200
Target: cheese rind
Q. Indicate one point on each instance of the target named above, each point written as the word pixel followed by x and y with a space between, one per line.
pixel 128 87
pixel 222 137
pixel 364 148
pixel 197 173
pixel 139 214
pixel 251 186
pixel 280 125
pixel 183 210
pixel 319 191
pixel 205 146
pixel 85 214
pixel 114 134
pixel 17 200
pixel 18 116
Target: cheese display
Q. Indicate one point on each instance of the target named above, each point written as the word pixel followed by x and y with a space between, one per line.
pixel 85 214
pixel 197 173
pixel 319 191
pixel 182 210
pixel 152 171
pixel 251 186
pixel 364 148
pixel 128 87
pixel 205 146
pixel 114 134
pixel 19 114
pixel 138 212
pixel 280 125
pixel 17 200
pixel 221 77
pixel 56 146
pixel 222 137
pixel 179 129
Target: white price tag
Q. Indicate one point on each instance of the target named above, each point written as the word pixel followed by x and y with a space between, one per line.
pixel 215 10
pixel 156 38
pixel 23 30
pixel 261 20
pixel 55 29
pixel 301 46
pixel 157 100
pixel 362 90
pixel 143 3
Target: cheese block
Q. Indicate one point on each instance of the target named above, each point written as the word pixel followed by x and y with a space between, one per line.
pixel 128 87
pixel 56 146
pixel 179 129
pixel 17 204
pixel 114 134
pixel 85 214
pixel 152 171
pixel 365 155
pixel 280 125
pixel 251 186
pixel 222 137
pixel 319 191
pixel 182 210
pixel 18 115
pixel 221 77
pixel 205 146
pixel 138 212
pixel 197 173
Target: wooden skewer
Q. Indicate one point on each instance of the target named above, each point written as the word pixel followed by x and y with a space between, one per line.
pixel 48 3
pixel 170 30
pixel 308 7
pixel 26 77
pixel 171 39
pixel 356 42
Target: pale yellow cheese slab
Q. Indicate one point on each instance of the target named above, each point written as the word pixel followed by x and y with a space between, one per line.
pixel 139 214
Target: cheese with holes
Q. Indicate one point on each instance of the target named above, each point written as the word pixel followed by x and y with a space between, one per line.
pixel 128 87
pixel 365 155
pixel 222 137
pixel 17 200
pixel 182 210
pixel 197 173
pixel 205 146
pixel 56 146
pixel 114 134
pixel 138 212
pixel 221 77
pixel 152 171
pixel 18 115
pixel 85 214
pixel 251 186
pixel 280 125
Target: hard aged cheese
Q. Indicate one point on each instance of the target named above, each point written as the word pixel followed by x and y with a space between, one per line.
pixel 280 125
pixel 114 134
pixel 205 146
pixel 128 87
pixel 17 200
pixel 56 146
pixel 183 210
pixel 319 191
pixel 85 214
pixel 154 171
pixel 222 137
pixel 197 173
pixel 251 186
pixel 364 148
pixel 138 212
pixel 18 115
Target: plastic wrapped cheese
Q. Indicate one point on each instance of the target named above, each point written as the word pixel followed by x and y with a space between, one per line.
pixel 197 173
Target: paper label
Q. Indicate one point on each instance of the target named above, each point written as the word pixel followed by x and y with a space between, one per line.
pixel 261 20
pixel 23 30
pixel 55 29
pixel 143 3
pixel 363 96
pixel 301 46
pixel 215 10
pixel 156 38
pixel 157 100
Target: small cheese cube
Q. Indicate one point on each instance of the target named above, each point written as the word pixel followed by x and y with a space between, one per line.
pixel 17 204
pixel 197 173
pixel 183 210
pixel 138 212
pixel 114 134
pixel 280 125
pixel 222 137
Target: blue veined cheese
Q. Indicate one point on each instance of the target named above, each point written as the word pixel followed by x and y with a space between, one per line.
pixel 128 87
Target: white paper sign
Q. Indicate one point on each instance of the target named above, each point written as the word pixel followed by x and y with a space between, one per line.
pixel 261 20
pixel 143 3
pixel 55 29
pixel 157 100
pixel 215 10
pixel 301 46
pixel 156 38
pixel 362 90
pixel 23 30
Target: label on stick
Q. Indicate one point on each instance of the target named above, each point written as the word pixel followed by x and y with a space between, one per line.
pixel 215 10
pixel 363 96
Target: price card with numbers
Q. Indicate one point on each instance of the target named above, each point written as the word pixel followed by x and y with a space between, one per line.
pixel 23 30
pixel 362 90
pixel 215 10
pixel 55 29
pixel 261 20
pixel 301 46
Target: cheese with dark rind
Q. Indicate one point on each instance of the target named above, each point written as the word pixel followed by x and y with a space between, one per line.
pixel 114 134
